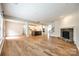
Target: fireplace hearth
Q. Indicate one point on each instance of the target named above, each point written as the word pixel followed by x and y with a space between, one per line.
pixel 67 34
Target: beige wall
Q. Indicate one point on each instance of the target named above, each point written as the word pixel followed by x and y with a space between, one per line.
pixel 14 28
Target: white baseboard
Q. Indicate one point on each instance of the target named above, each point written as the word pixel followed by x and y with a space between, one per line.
pixel 1 45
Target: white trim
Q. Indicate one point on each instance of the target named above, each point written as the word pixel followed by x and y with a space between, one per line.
pixel 1 45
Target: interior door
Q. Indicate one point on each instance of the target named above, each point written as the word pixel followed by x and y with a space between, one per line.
pixel 1 30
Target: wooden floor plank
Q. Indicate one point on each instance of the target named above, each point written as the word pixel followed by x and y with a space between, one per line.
pixel 38 46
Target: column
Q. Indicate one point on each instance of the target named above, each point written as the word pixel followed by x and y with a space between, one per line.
pixel 26 29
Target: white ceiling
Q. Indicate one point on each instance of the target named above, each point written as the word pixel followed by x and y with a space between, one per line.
pixel 43 12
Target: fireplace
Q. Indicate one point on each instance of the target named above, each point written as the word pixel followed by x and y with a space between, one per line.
pixel 67 34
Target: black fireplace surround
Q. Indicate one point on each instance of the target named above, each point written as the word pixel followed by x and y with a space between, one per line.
pixel 67 33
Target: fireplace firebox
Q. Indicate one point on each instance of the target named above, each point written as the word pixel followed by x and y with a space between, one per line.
pixel 67 34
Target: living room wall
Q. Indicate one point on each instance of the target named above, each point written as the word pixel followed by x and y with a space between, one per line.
pixel 14 28
pixel 68 21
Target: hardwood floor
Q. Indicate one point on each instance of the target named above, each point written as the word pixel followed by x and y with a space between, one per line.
pixel 38 46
